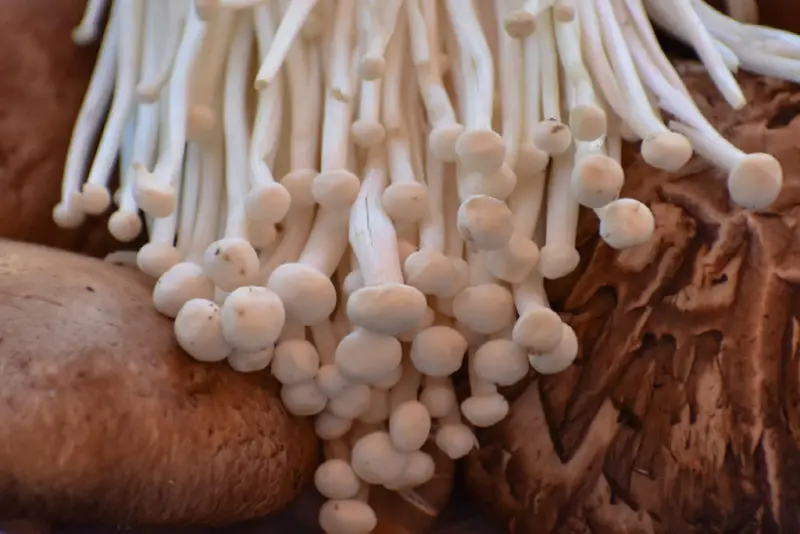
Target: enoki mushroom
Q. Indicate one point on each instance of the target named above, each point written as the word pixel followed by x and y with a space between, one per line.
pixel 332 192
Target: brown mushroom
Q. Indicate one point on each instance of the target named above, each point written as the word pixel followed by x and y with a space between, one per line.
pixel 681 414
pixel 103 419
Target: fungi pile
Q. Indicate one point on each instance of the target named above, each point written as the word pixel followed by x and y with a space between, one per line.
pixel 366 195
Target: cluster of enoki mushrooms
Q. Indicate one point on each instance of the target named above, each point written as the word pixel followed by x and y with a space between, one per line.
pixel 366 195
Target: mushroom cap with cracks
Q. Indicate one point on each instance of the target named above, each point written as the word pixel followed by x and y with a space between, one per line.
pixel 387 308
pixel 231 262
pixel 335 189
pixel 252 318
pixel 308 295
pixel 502 362
pixel 250 362
pixel 181 283
pixel 335 479
pixel 756 181
pixel 303 399
pixel 485 308
pixel 558 359
pixel 537 329
pixel 375 460
pixel 349 516
pixel 485 410
pixel 438 351
pixel 366 357
pixel 295 361
pixel 485 222
pixel 456 440
pixel 481 151
pixel 668 151
pixel 410 425
pixel 405 202
pixel 198 329
pixel 298 183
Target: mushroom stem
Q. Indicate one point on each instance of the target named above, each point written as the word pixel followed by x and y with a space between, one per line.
pixel 168 24
pixel 90 26
pixel 485 406
pixel 538 328
pixel 293 19
pixel 559 257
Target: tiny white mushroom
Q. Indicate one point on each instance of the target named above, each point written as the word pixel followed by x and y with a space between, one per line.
pixel 558 359
pixel 409 420
pixel 350 516
pixel 334 478
pixel 375 460
pixel 328 426
pixel 538 327
pixel 559 257
pixel 438 350
pixel 484 306
pixel 198 329
pixel 419 469
pixel 501 362
pixel 453 437
pixel 296 360
pixel 252 318
pixel 485 406
pixel 243 361
pixel 366 357
pixel 303 399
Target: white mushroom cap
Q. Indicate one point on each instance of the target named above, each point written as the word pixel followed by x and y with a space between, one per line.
pixel 409 335
pixel 552 136
pixel 366 357
pixel 181 283
pixel 443 138
pixel 501 362
pixel 67 216
pixel 410 425
pixel 335 189
pixel 335 479
pixel 438 351
pixel 498 184
pixel 419 469
pixel 430 271
pixel 95 198
pixel 456 440
pixel 328 426
pixel 198 329
pixel 268 202
pixel 295 361
pixel 352 403
pixel 485 308
pixel 390 380
pixel 538 329
pixel 375 460
pixel 513 263
pixel 405 202
pixel 485 410
pixel 626 223
pixel 125 225
pixel 298 183
pixel 155 259
pixel 367 132
pixel 482 151
pixel 308 295
pixel 485 222
pixel 756 181
pixel 252 318
pixel 668 151
pixel 331 381
pixel 596 180
pixel 347 517
pixel 558 359
pixel 250 362
pixel 587 122
pixel 387 308
pixel 155 197
pixel 231 262
pixel 556 261
pixel 303 399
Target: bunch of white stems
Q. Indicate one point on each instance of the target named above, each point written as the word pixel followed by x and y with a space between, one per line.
pixel 361 194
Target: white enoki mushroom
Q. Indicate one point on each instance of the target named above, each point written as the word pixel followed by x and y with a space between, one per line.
pixel 295 364
pixel 438 351
pixel 198 329
pixel 380 21
pixel 168 24
pixel 350 516
pixel 328 426
pixel 453 437
pixel 294 17
pixel 484 306
pixel 253 318
pixel 485 406
pixel 375 459
pixel 334 478
pixel 438 395
pixel 409 420
pixel 538 327
pixel 367 130
pixel 90 25
pixel 385 304
pixel 501 361
pixel 559 257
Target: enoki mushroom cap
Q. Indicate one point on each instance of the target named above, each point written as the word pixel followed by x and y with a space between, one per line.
pixel 252 318
pixel 559 358
pixel 756 181
pixel 303 399
pixel 499 184
pixel 155 259
pixel 501 362
pixel 347 517
pixel 365 357
pixel 405 202
pixel 530 159
pixel 181 283
pixel 626 223
pixel 295 361
pixel 668 151
pixel 516 261
pixel 552 136
pixel 335 189
pixel 430 271
pixel 481 151
pixel 519 24
pixel 125 225
pixel 331 381
pixel 596 180
pixel 485 308
pixel 485 223
pixel 387 308
pixel 95 198
pixel 243 361
pixel 328 426
pixel 308 295
pixel 419 469
pixel 455 440
pixel 68 216
pixel 268 203
pixel 375 460
pixel 485 411
pixel 198 329
pixel 438 351
pixel 556 261
pixel 428 319
pixel 368 133
pixel 231 262
pixel 587 122
pixel 298 183
pixel 335 479
pixel 371 67
pixel 410 426
pixel 389 381
pixel 352 403
pixel 155 197
pixel 538 329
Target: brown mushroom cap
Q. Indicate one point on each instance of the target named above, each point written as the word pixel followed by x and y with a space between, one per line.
pixel 103 419
pixel 681 413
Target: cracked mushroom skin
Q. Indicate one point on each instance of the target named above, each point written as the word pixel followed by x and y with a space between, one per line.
pixel 104 420
pixel 681 412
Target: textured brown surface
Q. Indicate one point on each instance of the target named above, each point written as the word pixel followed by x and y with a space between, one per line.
pixel 104 419
pixel 42 80
pixel 681 414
